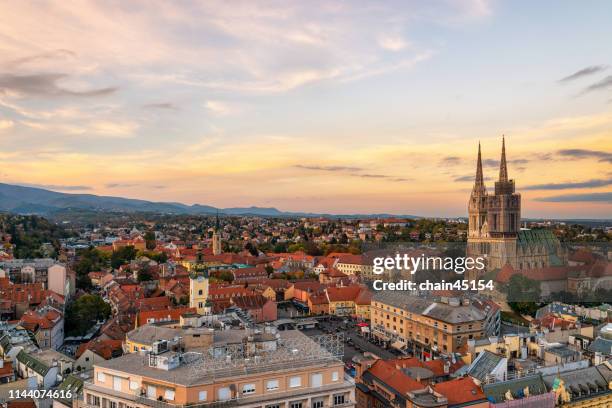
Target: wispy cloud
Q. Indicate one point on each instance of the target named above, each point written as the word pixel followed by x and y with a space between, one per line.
pixel 470 177
pixel 327 168
pixel 571 198
pixel 57 187
pixel 120 185
pixel 160 105
pixel 600 155
pixel 604 83
pixel 382 177
pixel 584 72
pixel 450 161
pixel 6 124
pixel 570 185
pixel 46 85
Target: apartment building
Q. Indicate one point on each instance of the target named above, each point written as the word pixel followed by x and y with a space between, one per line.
pixel 264 369
pixel 52 274
pixel 428 327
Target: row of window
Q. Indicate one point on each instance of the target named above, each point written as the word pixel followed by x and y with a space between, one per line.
pixel 223 394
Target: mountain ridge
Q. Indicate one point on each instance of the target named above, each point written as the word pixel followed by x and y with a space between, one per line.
pixel 35 200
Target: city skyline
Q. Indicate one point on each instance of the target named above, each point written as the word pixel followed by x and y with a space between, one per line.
pixel 339 108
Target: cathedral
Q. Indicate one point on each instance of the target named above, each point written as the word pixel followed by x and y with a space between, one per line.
pixel 494 226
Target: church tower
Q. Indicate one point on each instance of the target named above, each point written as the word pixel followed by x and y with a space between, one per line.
pixel 504 207
pixel 216 238
pixel 198 290
pixel 477 206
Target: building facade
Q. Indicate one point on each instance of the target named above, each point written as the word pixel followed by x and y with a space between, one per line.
pixel 425 327
pixel 268 374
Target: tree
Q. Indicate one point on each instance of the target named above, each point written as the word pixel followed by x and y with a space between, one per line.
pixel 122 256
pixel 523 294
pixel 144 275
pixel 149 240
pixel 83 313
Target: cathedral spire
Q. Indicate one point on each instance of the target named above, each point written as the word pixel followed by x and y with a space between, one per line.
pixel 217 221
pixel 503 169
pixel 479 179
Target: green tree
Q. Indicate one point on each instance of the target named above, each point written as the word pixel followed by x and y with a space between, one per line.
pixel 149 240
pixel 83 313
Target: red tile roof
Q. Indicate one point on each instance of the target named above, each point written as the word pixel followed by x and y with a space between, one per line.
pixel 460 391
pixel 7 369
pixel 387 373
pixel 250 302
pixel 343 294
pixel 164 315
pixel 106 349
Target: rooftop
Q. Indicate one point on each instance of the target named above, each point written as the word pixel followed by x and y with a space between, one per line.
pixel 436 310
pixel 234 354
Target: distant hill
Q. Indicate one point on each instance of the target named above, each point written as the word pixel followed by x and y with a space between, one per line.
pixel 33 200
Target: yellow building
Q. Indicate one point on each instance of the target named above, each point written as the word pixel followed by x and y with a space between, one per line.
pixel 198 291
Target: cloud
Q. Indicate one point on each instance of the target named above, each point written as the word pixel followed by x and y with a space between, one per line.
pixel 57 187
pixel 570 198
pixel 161 105
pixel 6 124
pixel 327 168
pixel 587 154
pixel 370 175
pixel 219 108
pixel 44 56
pixel 120 185
pixel 584 72
pixel 392 42
pixel 382 176
pixel 45 85
pixel 470 177
pixel 604 83
pixel 451 161
pixel 570 185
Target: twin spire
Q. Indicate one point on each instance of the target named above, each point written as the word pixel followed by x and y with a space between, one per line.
pixel 503 167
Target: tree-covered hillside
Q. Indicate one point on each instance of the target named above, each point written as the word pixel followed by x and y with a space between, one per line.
pixel 29 232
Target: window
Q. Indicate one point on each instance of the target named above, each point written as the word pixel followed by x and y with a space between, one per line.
pixel 316 380
pixel 202 395
pixel 117 383
pixel 273 406
pixel 295 404
pixel 133 385
pixel 112 404
pixel 151 392
pixel 272 385
pixel 224 394
pixel 295 382
pixel 169 395
pixel 248 389
pixel 338 399
pixel 335 376
pixel 200 292
pixel 317 404
pixel 101 377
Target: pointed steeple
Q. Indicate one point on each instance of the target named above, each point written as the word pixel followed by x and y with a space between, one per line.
pixel 217 222
pixel 479 179
pixel 503 168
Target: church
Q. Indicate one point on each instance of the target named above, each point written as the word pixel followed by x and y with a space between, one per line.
pixel 494 226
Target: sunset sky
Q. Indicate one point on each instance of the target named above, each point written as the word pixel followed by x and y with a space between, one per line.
pixel 338 107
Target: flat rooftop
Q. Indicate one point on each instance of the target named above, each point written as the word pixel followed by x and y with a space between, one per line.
pixel 226 358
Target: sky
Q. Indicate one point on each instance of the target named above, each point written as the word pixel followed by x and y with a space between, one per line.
pixel 320 106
